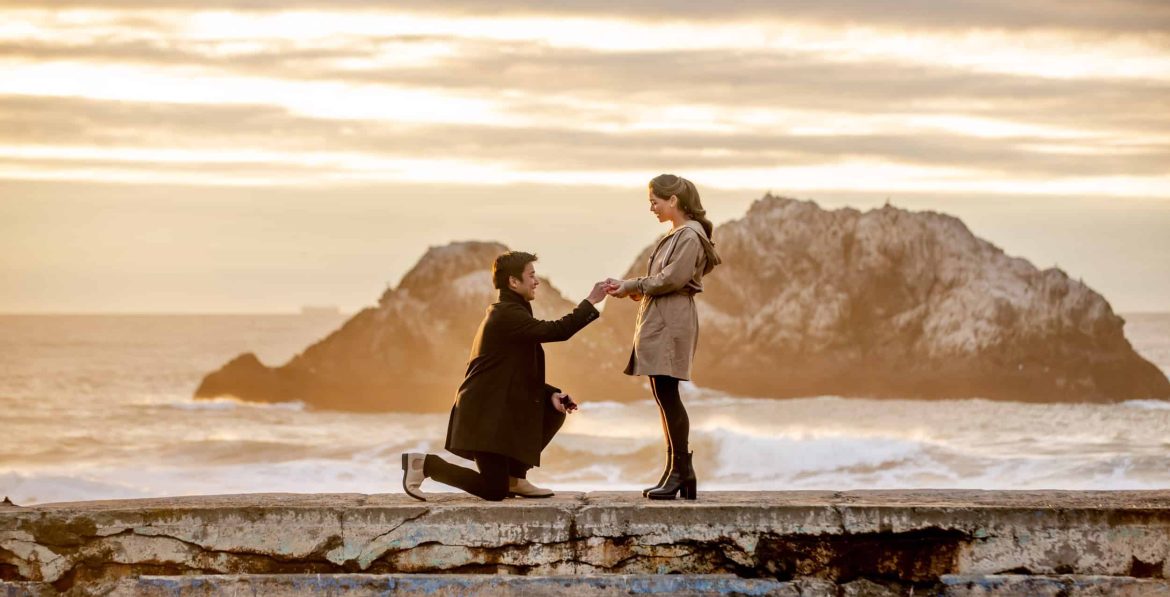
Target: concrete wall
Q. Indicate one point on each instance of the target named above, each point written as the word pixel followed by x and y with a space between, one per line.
pixel 892 539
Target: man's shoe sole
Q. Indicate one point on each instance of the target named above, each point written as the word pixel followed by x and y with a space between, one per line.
pixel 406 471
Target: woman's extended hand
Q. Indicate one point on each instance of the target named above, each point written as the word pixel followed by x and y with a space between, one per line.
pixel 625 289
pixel 614 288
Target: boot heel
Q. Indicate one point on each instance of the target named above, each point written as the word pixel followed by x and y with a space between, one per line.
pixel 405 459
pixel 688 491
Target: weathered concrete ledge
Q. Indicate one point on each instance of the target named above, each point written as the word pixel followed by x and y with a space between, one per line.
pixel 893 540
pixel 617 585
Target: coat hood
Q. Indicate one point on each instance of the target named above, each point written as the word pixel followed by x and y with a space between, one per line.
pixel 713 258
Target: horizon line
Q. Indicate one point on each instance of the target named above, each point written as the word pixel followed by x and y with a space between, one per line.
pixel 340 313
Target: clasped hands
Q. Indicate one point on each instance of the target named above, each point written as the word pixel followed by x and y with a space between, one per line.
pixel 620 289
pixel 615 288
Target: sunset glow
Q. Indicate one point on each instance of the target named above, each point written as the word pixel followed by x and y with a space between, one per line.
pixel 803 100
pixel 272 266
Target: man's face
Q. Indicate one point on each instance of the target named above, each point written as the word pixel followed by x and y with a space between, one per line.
pixel 525 287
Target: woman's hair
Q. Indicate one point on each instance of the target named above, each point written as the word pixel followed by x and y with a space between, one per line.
pixel 665 185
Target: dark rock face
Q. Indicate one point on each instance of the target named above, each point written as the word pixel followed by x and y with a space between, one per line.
pixel 885 303
pixel 409 353
pixel 890 303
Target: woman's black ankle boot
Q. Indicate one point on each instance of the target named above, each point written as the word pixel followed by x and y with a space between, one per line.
pixel 681 480
pixel 665 473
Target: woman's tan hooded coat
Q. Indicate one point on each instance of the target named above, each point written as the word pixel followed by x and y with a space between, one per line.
pixel 667 329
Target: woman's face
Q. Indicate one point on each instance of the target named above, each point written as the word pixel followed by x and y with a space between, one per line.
pixel 665 209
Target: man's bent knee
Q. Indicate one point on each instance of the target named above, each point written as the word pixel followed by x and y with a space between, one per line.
pixel 495 496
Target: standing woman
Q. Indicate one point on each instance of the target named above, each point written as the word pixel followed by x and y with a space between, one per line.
pixel 667 329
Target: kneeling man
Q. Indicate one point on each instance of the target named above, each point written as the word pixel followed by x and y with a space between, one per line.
pixel 505 414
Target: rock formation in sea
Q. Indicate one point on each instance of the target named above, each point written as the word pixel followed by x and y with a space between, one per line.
pixel 884 303
pixel 893 303
pixel 409 353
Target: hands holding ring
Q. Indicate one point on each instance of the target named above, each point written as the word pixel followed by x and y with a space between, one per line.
pixel 614 288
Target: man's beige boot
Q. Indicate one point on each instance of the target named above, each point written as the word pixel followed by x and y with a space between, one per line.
pixel 522 488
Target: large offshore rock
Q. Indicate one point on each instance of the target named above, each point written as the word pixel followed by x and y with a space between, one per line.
pixel 866 542
pixel 893 303
pixel 885 303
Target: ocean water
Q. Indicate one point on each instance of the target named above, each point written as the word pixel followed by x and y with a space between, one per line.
pixel 98 407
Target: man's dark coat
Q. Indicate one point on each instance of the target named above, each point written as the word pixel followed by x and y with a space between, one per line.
pixel 503 401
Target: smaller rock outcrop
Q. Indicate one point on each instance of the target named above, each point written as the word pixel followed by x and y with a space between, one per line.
pixel 409 353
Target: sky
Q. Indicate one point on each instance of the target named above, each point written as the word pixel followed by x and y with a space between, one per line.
pixel 235 156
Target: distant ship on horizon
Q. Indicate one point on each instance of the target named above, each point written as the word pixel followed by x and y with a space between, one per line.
pixel 320 311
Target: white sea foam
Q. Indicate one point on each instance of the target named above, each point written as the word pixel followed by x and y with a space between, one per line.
pixel 1148 404
pixel 231 404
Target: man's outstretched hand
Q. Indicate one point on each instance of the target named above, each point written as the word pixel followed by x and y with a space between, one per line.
pixel 599 292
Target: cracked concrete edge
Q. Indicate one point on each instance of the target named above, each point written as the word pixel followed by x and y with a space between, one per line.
pixel 1068 585
pixel 933 498
pixel 658 526
pixel 600 585
pixel 447 585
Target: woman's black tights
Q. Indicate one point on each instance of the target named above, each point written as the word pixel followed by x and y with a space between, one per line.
pixel 675 422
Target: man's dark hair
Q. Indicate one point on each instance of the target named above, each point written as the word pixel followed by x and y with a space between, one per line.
pixel 510 264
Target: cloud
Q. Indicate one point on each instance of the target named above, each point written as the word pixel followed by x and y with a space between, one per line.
pixel 373 128
pixel 1145 17
pixel 71 122
pixel 534 79
pixel 357 101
